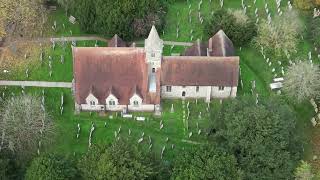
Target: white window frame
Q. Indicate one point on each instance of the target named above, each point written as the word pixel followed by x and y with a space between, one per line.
pixel 197 88
pixel 92 103
pixel 221 88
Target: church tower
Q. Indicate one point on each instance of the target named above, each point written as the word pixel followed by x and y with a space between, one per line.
pixel 153 48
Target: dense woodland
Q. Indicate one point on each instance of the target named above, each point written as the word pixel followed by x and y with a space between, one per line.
pixel 129 19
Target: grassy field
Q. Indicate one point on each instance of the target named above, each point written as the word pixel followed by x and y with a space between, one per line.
pixel 253 67
pixel 174 128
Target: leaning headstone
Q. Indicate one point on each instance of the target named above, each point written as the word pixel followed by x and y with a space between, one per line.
pixel 140 140
pixel 90 135
pixel 314 122
pixel 119 130
pixel 72 19
pixel 150 140
pixel 62 59
pixel 27 73
pixel 172 146
pixel 61 110
pixel 162 151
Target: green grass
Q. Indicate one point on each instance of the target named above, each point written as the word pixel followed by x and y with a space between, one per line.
pixel 174 128
pixel 253 67
pixel 40 71
pixel 61 18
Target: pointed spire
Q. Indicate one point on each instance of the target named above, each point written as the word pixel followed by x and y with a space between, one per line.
pixel 153 35
pixel 154 41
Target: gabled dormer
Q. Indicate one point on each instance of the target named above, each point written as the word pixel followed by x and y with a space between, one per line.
pixel 111 98
pixel 116 41
pixel 91 99
pixel 136 99
pixel 220 45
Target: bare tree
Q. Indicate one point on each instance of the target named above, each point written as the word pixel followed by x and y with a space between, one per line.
pixel 280 35
pixel 304 171
pixel 66 4
pixel 21 17
pixel 302 81
pixel 24 125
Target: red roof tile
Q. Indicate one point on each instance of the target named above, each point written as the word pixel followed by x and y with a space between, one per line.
pixel 197 49
pixel 220 45
pixel 200 71
pixel 116 41
pixel 120 70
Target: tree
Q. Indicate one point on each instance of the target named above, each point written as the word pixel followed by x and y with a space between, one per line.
pixel 314 30
pixel 303 172
pixel 236 24
pixel 280 37
pixel 302 81
pixel 53 167
pixel 303 4
pixel 21 17
pixel 66 4
pixel 85 13
pixel 206 163
pixel 120 160
pixel 24 125
pixel 9 168
pixel 120 17
pixel 262 137
pixel 316 2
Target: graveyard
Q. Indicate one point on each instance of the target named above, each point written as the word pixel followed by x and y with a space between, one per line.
pixel 183 123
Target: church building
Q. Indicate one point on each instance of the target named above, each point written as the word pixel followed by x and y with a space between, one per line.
pixel 122 77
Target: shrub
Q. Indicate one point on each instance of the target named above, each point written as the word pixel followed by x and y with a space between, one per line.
pixel 236 24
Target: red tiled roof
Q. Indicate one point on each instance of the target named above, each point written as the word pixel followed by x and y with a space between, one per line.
pixel 220 45
pixel 200 71
pixel 197 49
pixel 116 41
pixel 120 70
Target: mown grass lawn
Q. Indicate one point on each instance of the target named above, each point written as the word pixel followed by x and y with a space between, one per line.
pixel 253 67
pixel 174 128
